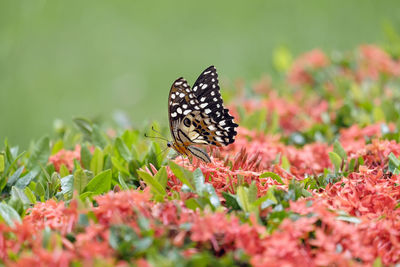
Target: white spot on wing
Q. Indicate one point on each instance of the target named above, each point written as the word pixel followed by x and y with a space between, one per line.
pixel 213 93
pixel 179 110
pixel 207 111
pixel 203 105
pixel 173 96
pixel 195 88
pixel 222 123
pixel 203 98
pixel 187 111
pixel 212 128
pixel 215 99
pixel 192 102
pixel 173 115
pixel 204 86
pixel 184 106
pixel 207 72
pixel 178 83
pixel 182 95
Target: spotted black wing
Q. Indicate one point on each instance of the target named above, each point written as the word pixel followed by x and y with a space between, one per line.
pixel 181 102
pixel 207 92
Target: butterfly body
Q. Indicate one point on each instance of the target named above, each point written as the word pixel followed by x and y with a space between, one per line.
pixel 197 116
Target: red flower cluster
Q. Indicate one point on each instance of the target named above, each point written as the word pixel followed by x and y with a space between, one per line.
pixel 66 157
pixel 373 62
pixel 303 65
pixel 351 222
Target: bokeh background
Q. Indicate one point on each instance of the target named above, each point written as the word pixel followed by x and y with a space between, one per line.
pixel 61 59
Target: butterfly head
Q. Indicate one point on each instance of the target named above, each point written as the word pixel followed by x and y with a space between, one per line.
pixel 169 144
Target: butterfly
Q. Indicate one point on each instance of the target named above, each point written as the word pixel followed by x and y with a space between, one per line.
pixel 197 116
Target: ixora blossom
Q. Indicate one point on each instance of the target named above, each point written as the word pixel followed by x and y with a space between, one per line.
pixel 373 61
pixel 303 65
pixel 310 212
pixel 66 157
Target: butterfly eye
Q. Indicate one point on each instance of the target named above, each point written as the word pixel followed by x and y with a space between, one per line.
pixel 187 122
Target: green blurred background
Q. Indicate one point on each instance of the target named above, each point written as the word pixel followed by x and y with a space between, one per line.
pixel 60 59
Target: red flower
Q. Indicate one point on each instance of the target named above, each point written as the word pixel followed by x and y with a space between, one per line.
pixel 66 157
pixel 313 60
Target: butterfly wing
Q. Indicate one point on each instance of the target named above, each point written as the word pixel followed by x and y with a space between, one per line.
pixel 214 118
pixel 179 105
pixel 197 116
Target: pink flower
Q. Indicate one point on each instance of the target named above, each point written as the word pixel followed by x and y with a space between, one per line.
pixel 66 157
pixel 313 60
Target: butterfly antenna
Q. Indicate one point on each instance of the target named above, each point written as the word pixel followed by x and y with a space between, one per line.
pixel 154 130
pixel 156 137
pixel 159 154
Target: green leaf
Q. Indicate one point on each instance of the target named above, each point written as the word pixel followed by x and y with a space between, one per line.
pixel 378 114
pixel 352 165
pixel 63 170
pixel 1 163
pixel 211 195
pixel 198 179
pixel 86 195
pixel 86 157
pixel 18 194
pixel 29 194
pixel 9 215
pixel 11 181
pixel 252 193
pixel 67 186
pixel 349 219
pixel 84 125
pixel 338 149
pixel 40 153
pixel 243 199
pixel 123 150
pixel 272 175
pixel 98 137
pixel 100 184
pixel 122 182
pixel 25 180
pixel 377 262
pixel 96 164
pixel 118 165
pixel 80 180
pixel 183 175
pixel 39 191
pixel 336 160
pixel 267 200
pixel 282 58
pixel 192 204
pixel 231 201
pixel 162 177
pixel 285 163
pixel 394 164
pixel 57 146
pixel 155 186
